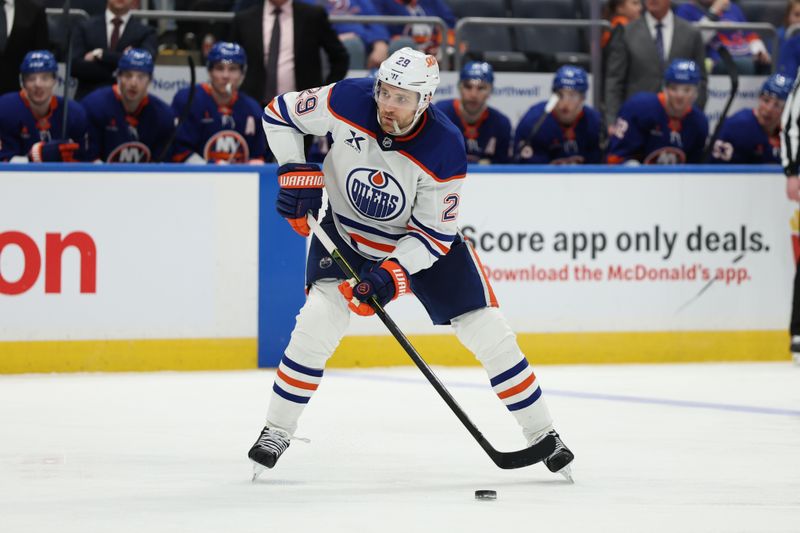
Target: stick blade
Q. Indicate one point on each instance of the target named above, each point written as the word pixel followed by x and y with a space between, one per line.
pixel 525 457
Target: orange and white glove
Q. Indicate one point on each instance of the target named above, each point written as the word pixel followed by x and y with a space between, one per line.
pixel 53 151
pixel 385 282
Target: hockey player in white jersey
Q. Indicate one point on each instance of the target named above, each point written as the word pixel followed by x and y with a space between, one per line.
pixel 393 178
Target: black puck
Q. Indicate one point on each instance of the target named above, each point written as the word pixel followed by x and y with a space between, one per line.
pixel 485 495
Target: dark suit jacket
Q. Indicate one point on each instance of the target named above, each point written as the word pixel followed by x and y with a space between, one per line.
pixel 633 64
pixel 92 34
pixel 312 32
pixel 29 32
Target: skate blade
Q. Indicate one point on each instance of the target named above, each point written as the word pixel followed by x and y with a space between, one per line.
pixel 257 469
pixel 567 473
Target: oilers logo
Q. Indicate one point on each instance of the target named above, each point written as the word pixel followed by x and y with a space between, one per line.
pixel 375 194
pixel 226 146
pixel 130 152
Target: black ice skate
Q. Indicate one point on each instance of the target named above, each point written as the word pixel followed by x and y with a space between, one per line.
pixel 267 450
pixel 558 461
pixel 795 349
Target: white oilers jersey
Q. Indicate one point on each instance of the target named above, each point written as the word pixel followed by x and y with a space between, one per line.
pixel 391 196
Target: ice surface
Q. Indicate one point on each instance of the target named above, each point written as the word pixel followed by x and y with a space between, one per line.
pixel 659 448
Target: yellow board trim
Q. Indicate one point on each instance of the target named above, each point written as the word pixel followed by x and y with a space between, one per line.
pixel 578 348
pixel 128 355
pixel 383 350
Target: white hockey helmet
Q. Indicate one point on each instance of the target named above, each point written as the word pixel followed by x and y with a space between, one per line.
pixel 412 70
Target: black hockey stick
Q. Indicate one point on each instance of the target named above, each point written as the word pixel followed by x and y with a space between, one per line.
pixel 67 69
pixel 184 112
pixel 517 459
pixel 552 102
pixel 733 72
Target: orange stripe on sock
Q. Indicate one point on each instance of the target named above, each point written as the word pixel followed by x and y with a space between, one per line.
pixel 296 382
pixel 516 389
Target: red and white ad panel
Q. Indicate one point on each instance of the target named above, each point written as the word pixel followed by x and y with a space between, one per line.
pixel 128 255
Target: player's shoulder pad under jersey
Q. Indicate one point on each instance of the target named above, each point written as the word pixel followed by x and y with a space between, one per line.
pixel 498 116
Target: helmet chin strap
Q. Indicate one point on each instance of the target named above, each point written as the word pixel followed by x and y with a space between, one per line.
pixel 396 127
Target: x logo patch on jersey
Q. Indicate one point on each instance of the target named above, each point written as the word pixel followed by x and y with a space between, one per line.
pixel 354 142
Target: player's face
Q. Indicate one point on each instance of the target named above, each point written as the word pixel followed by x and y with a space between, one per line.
pixel 133 86
pixel 396 105
pixel 474 94
pixel 631 9
pixel 39 87
pixel 680 98
pixel 794 15
pixel 768 111
pixel 224 76
pixel 569 106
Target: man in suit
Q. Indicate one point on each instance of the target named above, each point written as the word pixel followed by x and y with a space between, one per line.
pixel 637 61
pixel 295 64
pixel 101 41
pixel 23 27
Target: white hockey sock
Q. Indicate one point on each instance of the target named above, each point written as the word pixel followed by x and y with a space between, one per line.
pixel 320 326
pixel 486 333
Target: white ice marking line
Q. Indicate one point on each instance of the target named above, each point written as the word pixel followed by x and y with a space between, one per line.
pixel 590 395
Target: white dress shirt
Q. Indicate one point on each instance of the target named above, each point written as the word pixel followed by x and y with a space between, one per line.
pixel 8 5
pixel 667 30
pixel 286 82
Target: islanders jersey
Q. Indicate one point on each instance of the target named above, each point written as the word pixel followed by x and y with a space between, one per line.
pixel 116 136
pixel 489 138
pixel 644 132
pixel 742 140
pixel 390 196
pixel 556 144
pixel 217 133
pixel 19 129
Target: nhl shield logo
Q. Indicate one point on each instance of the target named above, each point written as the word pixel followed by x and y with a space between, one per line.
pixel 375 193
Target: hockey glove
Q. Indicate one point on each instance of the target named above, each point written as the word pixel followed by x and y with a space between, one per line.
pixel 386 282
pixel 301 191
pixel 53 151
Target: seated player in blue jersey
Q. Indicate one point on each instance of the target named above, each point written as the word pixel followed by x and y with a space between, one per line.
pixel 127 125
pixel 662 128
pixel 752 136
pixel 563 130
pixel 486 131
pixel 224 124
pixel 394 178
pixel 31 120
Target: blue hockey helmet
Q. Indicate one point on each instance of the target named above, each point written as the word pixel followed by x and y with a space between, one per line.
pixel 571 77
pixel 682 71
pixel 224 52
pixel 778 86
pixel 136 59
pixel 477 70
pixel 38 61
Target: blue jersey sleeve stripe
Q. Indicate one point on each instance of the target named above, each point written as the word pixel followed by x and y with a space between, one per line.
pixel 510 373
pixel 421 239
pixel 289 396
pixel 285 113
pixel 297 367
pixel 361 227
pixel 270 120
pixel 429 231
pixel 527 401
